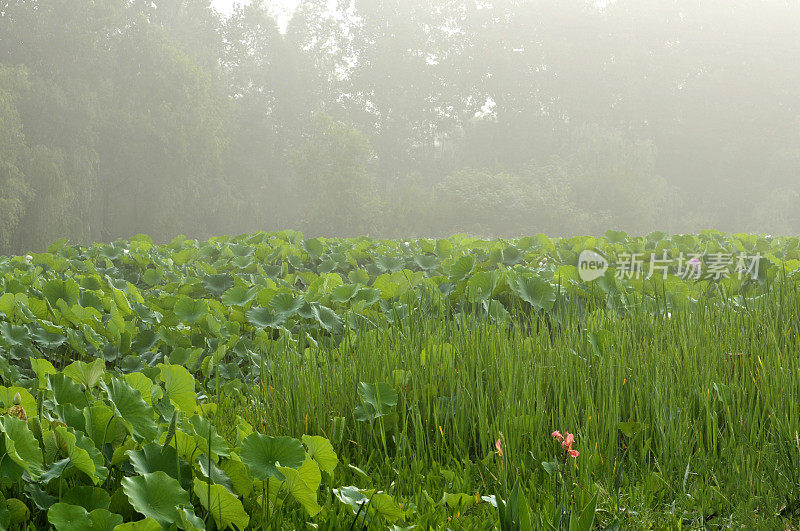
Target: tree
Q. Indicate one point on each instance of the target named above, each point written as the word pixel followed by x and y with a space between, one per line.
pixel 14 190
pixel 334 189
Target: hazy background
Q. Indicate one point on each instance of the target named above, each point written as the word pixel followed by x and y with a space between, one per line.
pixel 396 118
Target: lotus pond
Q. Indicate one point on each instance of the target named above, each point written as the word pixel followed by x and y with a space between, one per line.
pixel 269 381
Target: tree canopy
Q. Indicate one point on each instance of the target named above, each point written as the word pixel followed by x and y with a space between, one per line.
pixel 396 118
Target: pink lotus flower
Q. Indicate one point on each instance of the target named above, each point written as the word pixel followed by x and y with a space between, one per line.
pixel 557 436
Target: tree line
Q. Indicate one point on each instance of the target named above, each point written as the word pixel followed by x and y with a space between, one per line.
pixel 396 118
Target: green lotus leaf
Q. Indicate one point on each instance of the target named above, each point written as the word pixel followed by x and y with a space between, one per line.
pixel 264 318
pixel 54 471
pixel 190 310
pixel 47 335
pixel 302 483
pixel 321 450
pixel 88 374
pixel 66 290
pixel 539 293
pixel 43 368
pixel 261 453
pixel 152 276
pixel 327 318
pixel 180 386
pixel 129 406
pixel 344 293
pixel 463 267
pixel 226 508
pixel 389 263
pixel 376 400
pixel 85 457
pixel 481 286
pixel 190 521
pixel 426 261
pixel 154 457
pixel 104 520
pixel 458 500
pixel 208 469
pixel 18 512
pixel 148 524
pixel 67 517
pixel 218 284
pixel 15 336
pixel 156 495
pixel 141 383
pixel 21 447
pixel 286 304
pixel 239 476
pixel 201 428
pixel 90 498
pixel 239 296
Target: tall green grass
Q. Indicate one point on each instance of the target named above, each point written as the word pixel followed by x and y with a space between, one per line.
pixel 715 385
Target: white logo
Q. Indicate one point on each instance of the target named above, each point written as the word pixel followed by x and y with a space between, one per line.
pixel 591 265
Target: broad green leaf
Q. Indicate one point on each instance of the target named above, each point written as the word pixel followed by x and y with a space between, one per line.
pixel 90 498
pixel 286 304
pixel 218 284
pixel 321 450
pixel 264 318
pixel 239 296
pixel 66 290
pixel 148 524
pixel 458 500
pixel 21 446
pixel 463 267
pixel 263 454
pixel 43 368
pixel 66 517
pixel 302 483
pixel 153 457
pixel 179 384
pixel 88 374
pixel 104 520
pixel 141 383
pixel 15 336
pixel 66 391
pixel 226 508
pixel 377 399
pixel 385 506
pixel 156 495
pixel 239 476
pixel 17 510
pixel 129 406
pixel 539 293
pixel 78 456
pixel 201 428
pixel 190 310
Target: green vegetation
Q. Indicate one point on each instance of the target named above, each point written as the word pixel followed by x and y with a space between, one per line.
pixel 267 381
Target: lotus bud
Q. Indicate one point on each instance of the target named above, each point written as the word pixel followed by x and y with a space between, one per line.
pixel 17 399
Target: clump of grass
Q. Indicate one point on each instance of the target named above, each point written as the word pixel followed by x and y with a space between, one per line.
pixel 712 387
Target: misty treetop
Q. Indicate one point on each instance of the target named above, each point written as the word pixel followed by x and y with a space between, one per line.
pixel 403 117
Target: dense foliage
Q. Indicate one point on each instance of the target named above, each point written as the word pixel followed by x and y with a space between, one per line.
pixel 495 118
pixel 269 380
